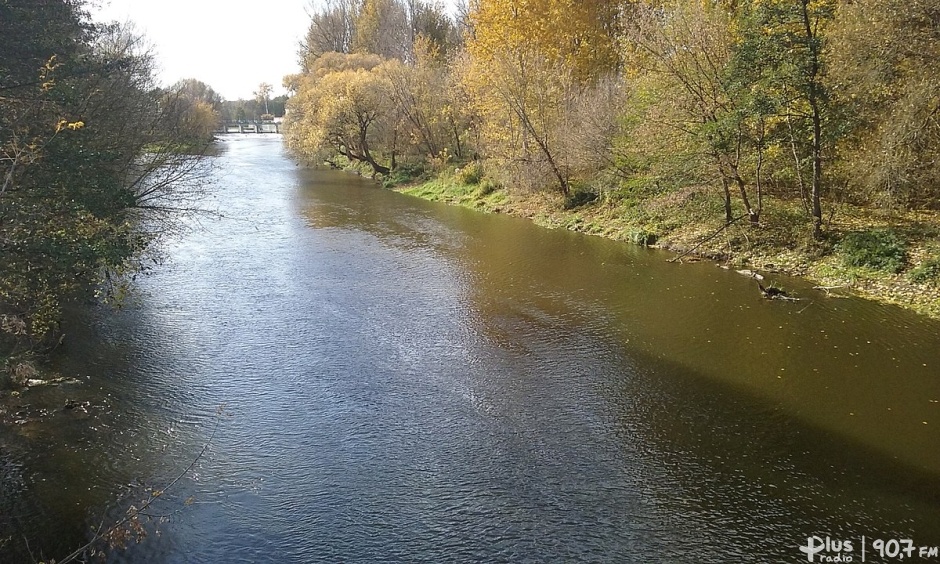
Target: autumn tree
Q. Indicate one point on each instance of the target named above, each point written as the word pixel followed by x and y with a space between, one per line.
pixel 693 84
pixel 341 106
pixel 787 41
pixel 198 107
pixel 195 89
pixel 530 62
pixel 424 95
pixel 263 94
pixel 885 72
pixel 382 28
pixel 332 30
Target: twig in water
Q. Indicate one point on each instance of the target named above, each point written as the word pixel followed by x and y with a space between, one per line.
pixel 155 494
pixel 828 290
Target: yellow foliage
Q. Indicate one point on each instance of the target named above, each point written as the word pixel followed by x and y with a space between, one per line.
pixel 580 35
pixel 45 73
pixel 66 124
pixel 338 105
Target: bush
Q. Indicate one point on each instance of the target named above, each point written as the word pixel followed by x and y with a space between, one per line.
pixel 471 174
pixel 928 272
pixel 642 237
pixel 578 198
pixel 405 173
pixel 487 187
pixel 879 248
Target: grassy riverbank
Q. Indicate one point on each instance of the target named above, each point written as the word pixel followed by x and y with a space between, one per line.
pixel 888 257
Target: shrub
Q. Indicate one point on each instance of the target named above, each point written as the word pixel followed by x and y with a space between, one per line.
pixel 405 173
pixel 928 272
pixel 487 187
pixel 879 248
pixel 578 198
pixel 471 174
pixel 642 237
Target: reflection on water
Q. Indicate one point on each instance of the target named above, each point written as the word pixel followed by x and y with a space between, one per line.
pixel 412 382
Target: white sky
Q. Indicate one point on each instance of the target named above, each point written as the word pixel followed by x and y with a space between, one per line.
pixel 232 46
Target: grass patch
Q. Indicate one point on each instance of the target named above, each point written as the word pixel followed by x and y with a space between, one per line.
pixel 487 186
pixel 448 189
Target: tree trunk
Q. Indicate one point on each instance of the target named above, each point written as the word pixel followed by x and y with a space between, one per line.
pixel 456 131
pixel 813 96
pixel 725 185
pixel 725 180
pixel 752 215
pixel 367 156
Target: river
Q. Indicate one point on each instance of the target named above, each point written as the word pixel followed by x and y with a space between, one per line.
pixel 405 381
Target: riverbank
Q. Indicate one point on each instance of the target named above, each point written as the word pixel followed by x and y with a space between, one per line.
pixel 888 257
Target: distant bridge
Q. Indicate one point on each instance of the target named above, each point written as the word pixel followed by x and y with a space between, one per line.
pixel 250 126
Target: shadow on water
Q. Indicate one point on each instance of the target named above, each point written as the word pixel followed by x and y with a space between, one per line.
pixel 825 408
pixel 86 451
pixel 854 367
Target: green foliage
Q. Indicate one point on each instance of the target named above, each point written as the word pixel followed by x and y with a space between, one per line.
pixel 881 249
pixel 90 151
pixel 579 197
pixel 487 186
pixel 642 237
pixel 406 173
pixel 927 272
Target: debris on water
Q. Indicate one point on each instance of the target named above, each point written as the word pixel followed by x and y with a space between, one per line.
pixel 774 293
pixel 36 382
pixel 829 289
pixel 750 274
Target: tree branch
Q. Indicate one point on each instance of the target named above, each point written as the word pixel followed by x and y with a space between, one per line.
pixel 156 494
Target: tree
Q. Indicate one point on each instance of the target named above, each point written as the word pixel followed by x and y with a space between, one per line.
pixel 277 105
pixel 421 93
pixel 342 105
pixel 198 106
pixel 263 93
pixel 382 29
pixel 241 110
pixel 885 75
pixel 197 90
pixel 689 65
pixel 789 39
pixel 430 23
pixel 530 63
pixel 332 29
pixel 91 163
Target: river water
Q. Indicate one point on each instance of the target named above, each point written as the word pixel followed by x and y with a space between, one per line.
pixel 402 381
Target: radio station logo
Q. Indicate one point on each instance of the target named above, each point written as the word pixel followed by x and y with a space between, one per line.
pixel 827 550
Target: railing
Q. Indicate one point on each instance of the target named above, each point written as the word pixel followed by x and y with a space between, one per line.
pixel 249 127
